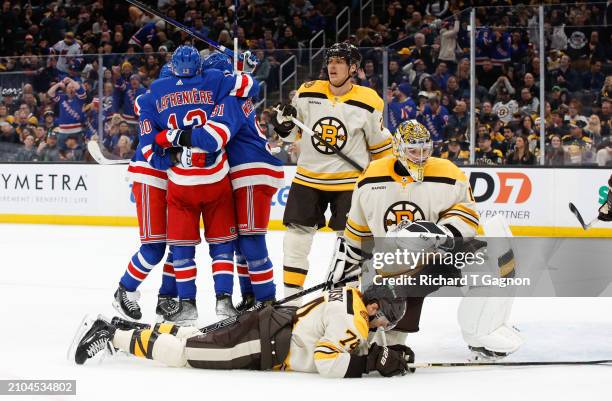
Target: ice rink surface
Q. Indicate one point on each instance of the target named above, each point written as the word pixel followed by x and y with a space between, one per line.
pixel 53 275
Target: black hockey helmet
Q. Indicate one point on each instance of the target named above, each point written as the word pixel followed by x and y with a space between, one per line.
pixel 345 51
pixel 391 306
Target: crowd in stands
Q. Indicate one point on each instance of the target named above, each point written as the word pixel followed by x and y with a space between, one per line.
pixel 49 82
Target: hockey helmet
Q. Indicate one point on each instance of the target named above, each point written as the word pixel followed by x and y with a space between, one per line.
pixel 166 71
pixel 186 61
pixel 412 146
pixel 391 307
pixel 218 61
pixel 345 51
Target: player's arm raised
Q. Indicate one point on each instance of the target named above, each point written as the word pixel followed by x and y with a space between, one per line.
pixel 238 84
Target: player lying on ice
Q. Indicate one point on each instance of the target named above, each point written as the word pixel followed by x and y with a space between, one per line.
pixel 327 335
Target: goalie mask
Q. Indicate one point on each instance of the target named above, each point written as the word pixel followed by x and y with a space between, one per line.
pixel 412 146
pixel 391 307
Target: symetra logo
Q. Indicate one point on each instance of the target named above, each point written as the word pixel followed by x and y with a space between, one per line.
pixel 506 187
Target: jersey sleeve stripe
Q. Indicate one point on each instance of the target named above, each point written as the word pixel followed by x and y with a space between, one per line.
pixel 318 355
pixel 468 220
pixel 219 131
pixel 358 227
pixel 147 152
pixel 384 144
pixel 465 209
pixel 356 235
pixel 239 87
pixel 327 345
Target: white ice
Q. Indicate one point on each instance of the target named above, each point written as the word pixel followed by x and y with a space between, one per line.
pixel 53 275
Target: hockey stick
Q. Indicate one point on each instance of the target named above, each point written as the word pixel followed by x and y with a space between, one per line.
pixel 528 363
pixel 94 150
pixel 188 30
pixel 576 213
pixel 231 320
pixel 329 146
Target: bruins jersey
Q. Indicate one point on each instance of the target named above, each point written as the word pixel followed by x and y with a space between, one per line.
pixel 382 199
pixel 329 333
pixel 353 123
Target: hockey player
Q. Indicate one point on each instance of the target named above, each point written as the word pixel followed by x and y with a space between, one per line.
pixel 327 335
pixel 255 175
pixel 605 211
pixel 409 187
pixel 349 118
pixel 148 172
pixel 184 101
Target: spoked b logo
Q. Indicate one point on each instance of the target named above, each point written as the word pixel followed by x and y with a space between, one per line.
pixel 331 131
pixel 401 211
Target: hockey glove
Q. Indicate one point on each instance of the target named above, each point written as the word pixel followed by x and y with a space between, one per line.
pixel 173 138
pixel 421 236
pixel 387 361
pixel 282 121
pixel 249 61
pixel 346 263
pixel 190 159
pixel 406 353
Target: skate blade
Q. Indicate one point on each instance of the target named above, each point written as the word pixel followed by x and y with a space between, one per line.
pixel 122 313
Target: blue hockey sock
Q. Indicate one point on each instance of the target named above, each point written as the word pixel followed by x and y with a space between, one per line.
pixel 168 285
pixel 222 256
pixel 261 271
pixel 141 264
pixel 185 271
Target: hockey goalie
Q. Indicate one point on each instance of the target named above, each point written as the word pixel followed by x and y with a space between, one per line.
pixel 419 202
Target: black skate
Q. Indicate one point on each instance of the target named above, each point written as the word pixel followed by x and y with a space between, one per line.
pixel 224 307
pixel 123 324
pixel 165 305
pixel 248 301
pixel 94 335
pixel 126 303
pixel 185 313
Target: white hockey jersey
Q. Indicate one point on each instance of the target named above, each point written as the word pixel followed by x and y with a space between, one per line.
pixel 352 122
pixel 328 330
pixel 382 199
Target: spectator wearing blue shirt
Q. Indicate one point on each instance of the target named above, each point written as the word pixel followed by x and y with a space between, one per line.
pixel 402 108
pixel 70 102
pixel 434 117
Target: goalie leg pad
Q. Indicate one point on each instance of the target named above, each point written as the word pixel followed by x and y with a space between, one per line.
pixel 260 268
pixel 296 247
pixel 141 264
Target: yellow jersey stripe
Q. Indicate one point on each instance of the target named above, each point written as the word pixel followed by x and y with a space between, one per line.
pixel 327 176
pixel 465 209
pixel 352 236
pixel 468 221
pixel 357 227
pixel 320 355
pixel 386 142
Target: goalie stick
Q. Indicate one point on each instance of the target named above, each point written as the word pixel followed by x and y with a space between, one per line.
pixel 422 365
pixel 231 320
pixel 576 213
pixel 329 146
pixel 96 153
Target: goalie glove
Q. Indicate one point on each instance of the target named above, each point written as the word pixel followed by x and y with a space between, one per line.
pixel 283 125
pixel 346 263
pixel 173 138
pixel 422 235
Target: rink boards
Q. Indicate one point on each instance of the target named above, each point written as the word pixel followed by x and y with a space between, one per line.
pixel 534 200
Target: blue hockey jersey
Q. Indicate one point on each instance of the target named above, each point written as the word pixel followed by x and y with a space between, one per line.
pixel 234 126
pixel 178 103
pixel 434 122
pixel 401 111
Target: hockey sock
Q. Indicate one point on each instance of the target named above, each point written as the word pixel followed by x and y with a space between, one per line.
pixel 162 347
pixel 261 272
pixel 243 274
pixel 141 264
pixel 168 285
pixel 185 271
pixel 177 331
pixel 296 247
pixel 222 256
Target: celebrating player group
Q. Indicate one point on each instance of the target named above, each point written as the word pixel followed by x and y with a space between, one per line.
pixel 202 154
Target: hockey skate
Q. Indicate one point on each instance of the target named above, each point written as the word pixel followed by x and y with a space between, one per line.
pixel 93 336
pixel 185 313
pixel 497 345
pixel 126 303
pixel 123 324
pixel 248 301
pixel 165 305
pixel 224 307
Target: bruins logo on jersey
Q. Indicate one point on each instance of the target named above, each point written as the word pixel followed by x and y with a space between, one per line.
pixel 400 211
pixel 332 131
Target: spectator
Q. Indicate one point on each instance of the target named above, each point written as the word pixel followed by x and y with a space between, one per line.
pixel 528 103
pixel 66 49
pixel 605 116
pixel 28 152
pixel 448 43
pixel 123 149
pixel 70 104
pixel 521 154
pixel 505 107
pixel 555 155
pixel 437 8
pixel 454 153
pixel 604 155
pixel 48 150
pixel 459 120
pixel 487 116
pixel 594 79
pixel 485 154
pixel 574 117
pixel 395 74
pixel 507 143
pixel 565 76
pixel 435 117
pixel 420 51
pixel 72 151
pixel 128 96
pixel 401 106
pixel 7 133
pixel 593 129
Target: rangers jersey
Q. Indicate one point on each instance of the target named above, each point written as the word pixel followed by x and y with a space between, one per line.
pixel 353 123
pixel 383 198
pixel 181 103
pixel 328 333
pixel 234 126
